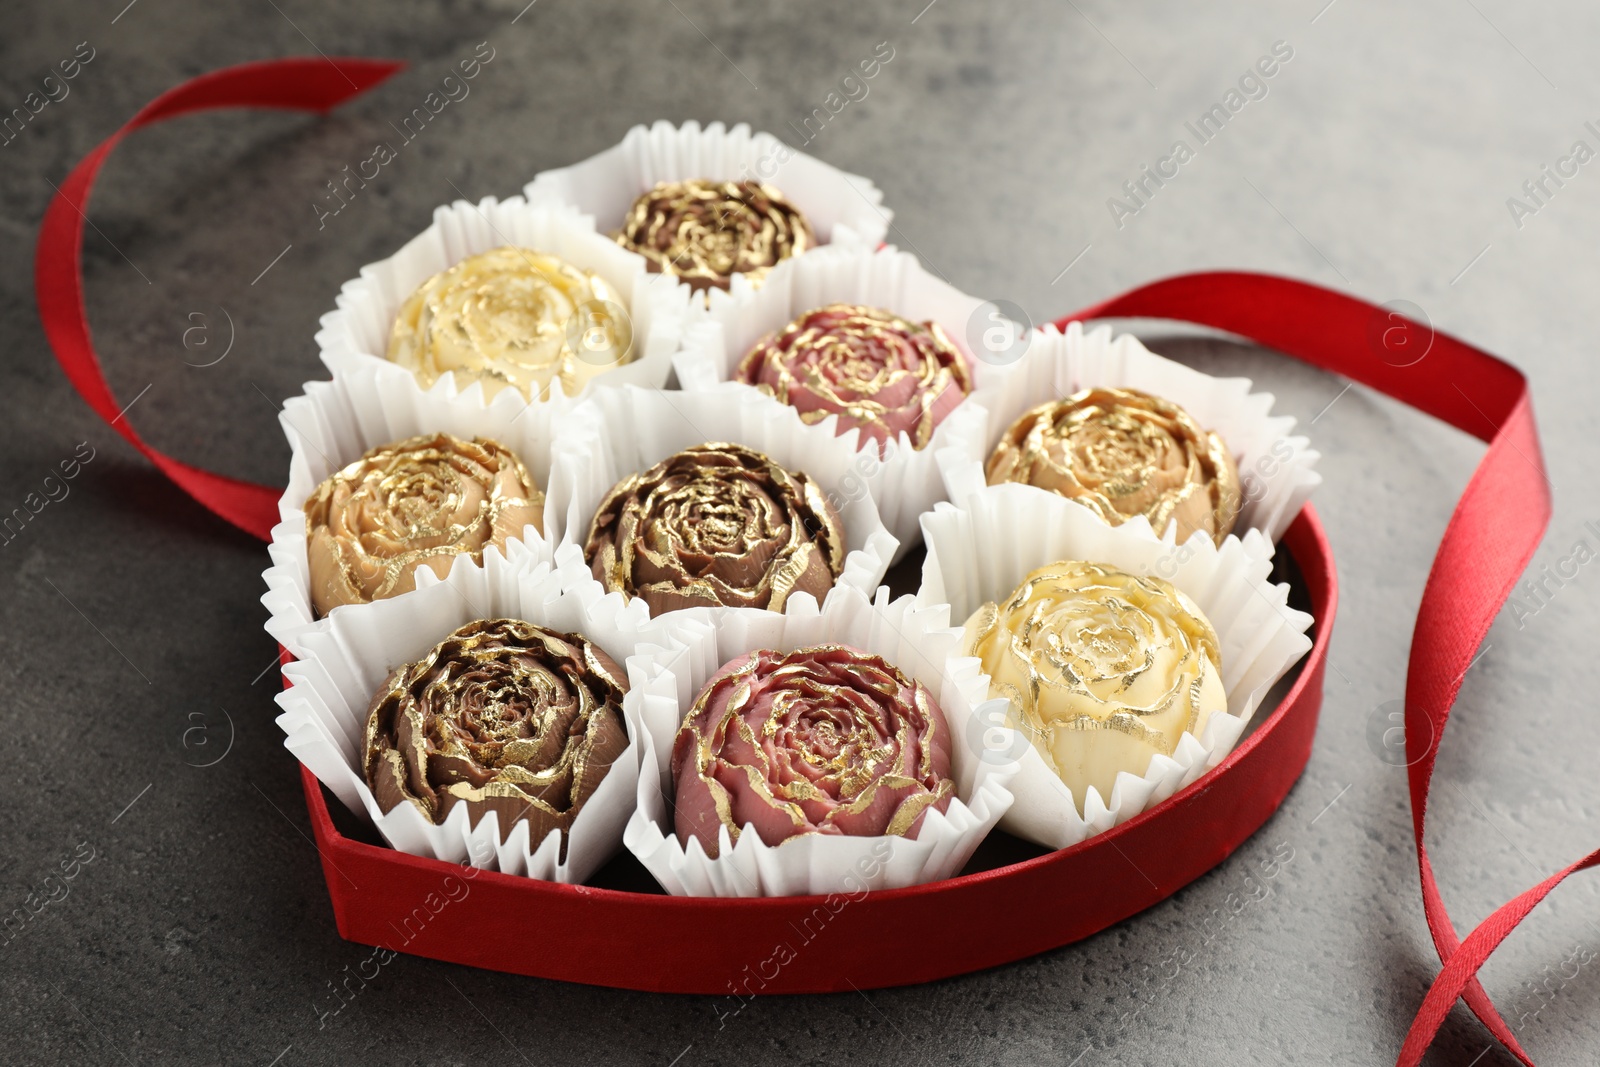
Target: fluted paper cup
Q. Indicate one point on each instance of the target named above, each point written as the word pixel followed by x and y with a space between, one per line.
pixel 377 403
pixel 357 332
pixel 844 210
pixel 633 429
pixel 981 554
pixel 914 637
pixel 904 481
pixel 1276 467
pixel 324 712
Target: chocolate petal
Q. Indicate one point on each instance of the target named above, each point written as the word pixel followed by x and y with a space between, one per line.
pixel 605 740
pixel 662 597
pixel 804 571
pixel 387 775
pixel 694 814
pixel 511 805
pixel 330 585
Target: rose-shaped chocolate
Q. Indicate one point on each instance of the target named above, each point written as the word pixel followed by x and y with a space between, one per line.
pixel 716 524
pixel 824 740
pixel 707 231
pixel 1104 668
pixel 512 317
pixel 1123 453
pixel 419 503
pixel 873 369
pixel 501 716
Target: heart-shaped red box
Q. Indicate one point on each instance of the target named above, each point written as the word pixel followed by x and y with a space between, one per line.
pixel 742 947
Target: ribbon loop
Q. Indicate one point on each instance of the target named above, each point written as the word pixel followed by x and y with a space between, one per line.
pixel 303 84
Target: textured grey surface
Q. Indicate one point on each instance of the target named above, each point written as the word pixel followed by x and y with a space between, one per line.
pixel 1380 161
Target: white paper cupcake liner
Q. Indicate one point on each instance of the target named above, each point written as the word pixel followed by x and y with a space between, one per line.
pixel 981 554
pixel 844 210
pixel 377 403
pixel 357 331
pixel 907 481
pixel 325 711
pixel 631 430
pixel 914 637
pixel 1276 468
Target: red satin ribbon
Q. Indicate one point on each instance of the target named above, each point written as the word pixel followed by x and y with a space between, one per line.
pixel 301 84
pixel 1497 524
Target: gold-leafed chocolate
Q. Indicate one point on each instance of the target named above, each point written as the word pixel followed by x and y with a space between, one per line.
pixel 516 318
pixel 1121 453
pixel 1103 669
pixel 420 502
pixel 825 740
pixel 872 368
pixel 501 716
pixel 706 231
pixel 716 525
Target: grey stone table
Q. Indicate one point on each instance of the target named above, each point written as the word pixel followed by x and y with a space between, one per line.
pixel 1387 156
